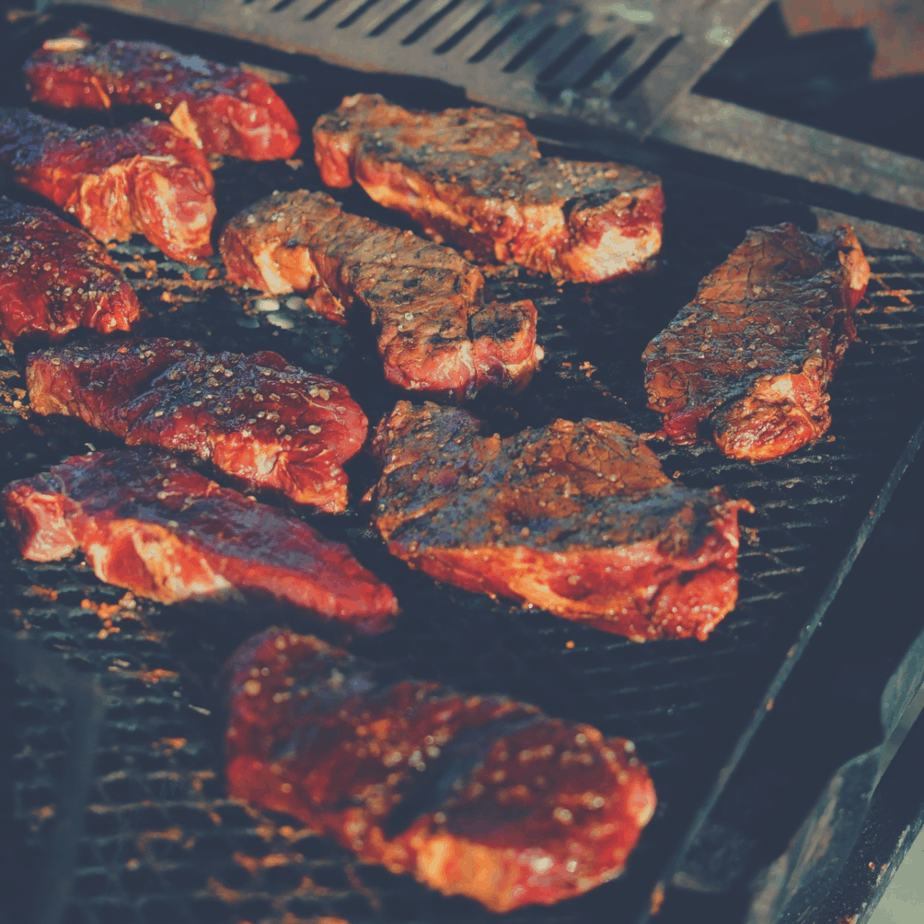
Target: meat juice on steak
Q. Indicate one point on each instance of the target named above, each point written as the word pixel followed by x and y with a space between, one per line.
pixel 749 359
pixel 54 278
pixel 223 110
pixel 148 523
pixel 575 518
pixel 263 422
pixel 145 178
pixel 475 177
pixel 436 328
pixel 474 795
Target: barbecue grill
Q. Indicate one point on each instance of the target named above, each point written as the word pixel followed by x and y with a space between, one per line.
pixel 745 829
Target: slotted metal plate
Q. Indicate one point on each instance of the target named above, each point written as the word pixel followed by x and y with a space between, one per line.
pixel 609 64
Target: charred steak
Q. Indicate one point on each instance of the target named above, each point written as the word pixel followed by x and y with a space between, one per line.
pixel 473 795
pixel 223 110
pixel 576 518
pixel 265 423
pixel 145 178
pixel 749 359
pixel 54 277
pixel 437 330
pixel 475 177
pixel 146 522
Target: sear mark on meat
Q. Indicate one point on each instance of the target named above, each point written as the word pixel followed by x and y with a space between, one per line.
pixel 145 178
pixel 749 359
pixel 265 423
pixel 493 799
pixel 475 177
pixel 576 518
pixel 54 278
pixel 435 331
pixel 146 522
pixel 223 110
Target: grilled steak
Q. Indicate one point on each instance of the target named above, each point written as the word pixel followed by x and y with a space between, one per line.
pixel 475 177
pixel 224 110
pixel 54 277
pixel 145 178
pixel 749 359
pixel 436 331
pixel 265 423
pixel 473 795
pixel 146 522
pixel 576 518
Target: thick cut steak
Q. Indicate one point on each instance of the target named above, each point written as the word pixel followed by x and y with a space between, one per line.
pixel 223 110
pixel 437 329
pixel 55 277
pixel 145 178
pixel 147 522
pixel 263 422
pixel 475 177
pixel 576 518
pixel 473 795
pixel 749 359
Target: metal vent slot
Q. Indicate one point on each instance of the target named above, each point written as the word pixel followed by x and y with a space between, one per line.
pixel 619 65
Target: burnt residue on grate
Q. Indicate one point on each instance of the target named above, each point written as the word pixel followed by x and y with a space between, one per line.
pixel 163 842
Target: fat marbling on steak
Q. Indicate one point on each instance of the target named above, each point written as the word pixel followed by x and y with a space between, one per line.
pixel 222 109
pixel 145 178
pixel 576 518
pixel 438 331
pixel 265 423
pixel 146 522
pixel 475 177
pixel 481 796
pixel 749 359
pixel 55 278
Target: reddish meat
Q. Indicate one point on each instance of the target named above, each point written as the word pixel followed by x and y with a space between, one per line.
pixel 146 522
pixel 145 178
pixel 437 331
pixel 265 423
pixel 224 110
pixel 473 795
pixel 749 359
pixel 54 277
pixel 576 518
pixel 475 177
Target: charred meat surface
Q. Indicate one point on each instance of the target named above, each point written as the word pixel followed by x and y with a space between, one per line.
pixel 749 359
pixel 265 423
pixel 147 522
pixel 576 518
pixel 436 328
pixel 54 278
pixel 474 795
pixel 223 110
pixel 475 177
pixel 145 178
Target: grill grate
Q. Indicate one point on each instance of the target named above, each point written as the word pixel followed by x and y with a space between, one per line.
pixel 620 65
pixel 164 844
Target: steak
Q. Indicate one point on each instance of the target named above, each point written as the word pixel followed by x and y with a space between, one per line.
pixel 749 359
pixel 576 518
pixel 145 178
pixel 146 522
pixel 437 329
pixel 473 795
pixel 475 177
pixel 54 278
pixel 223 110
pixel 263 422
